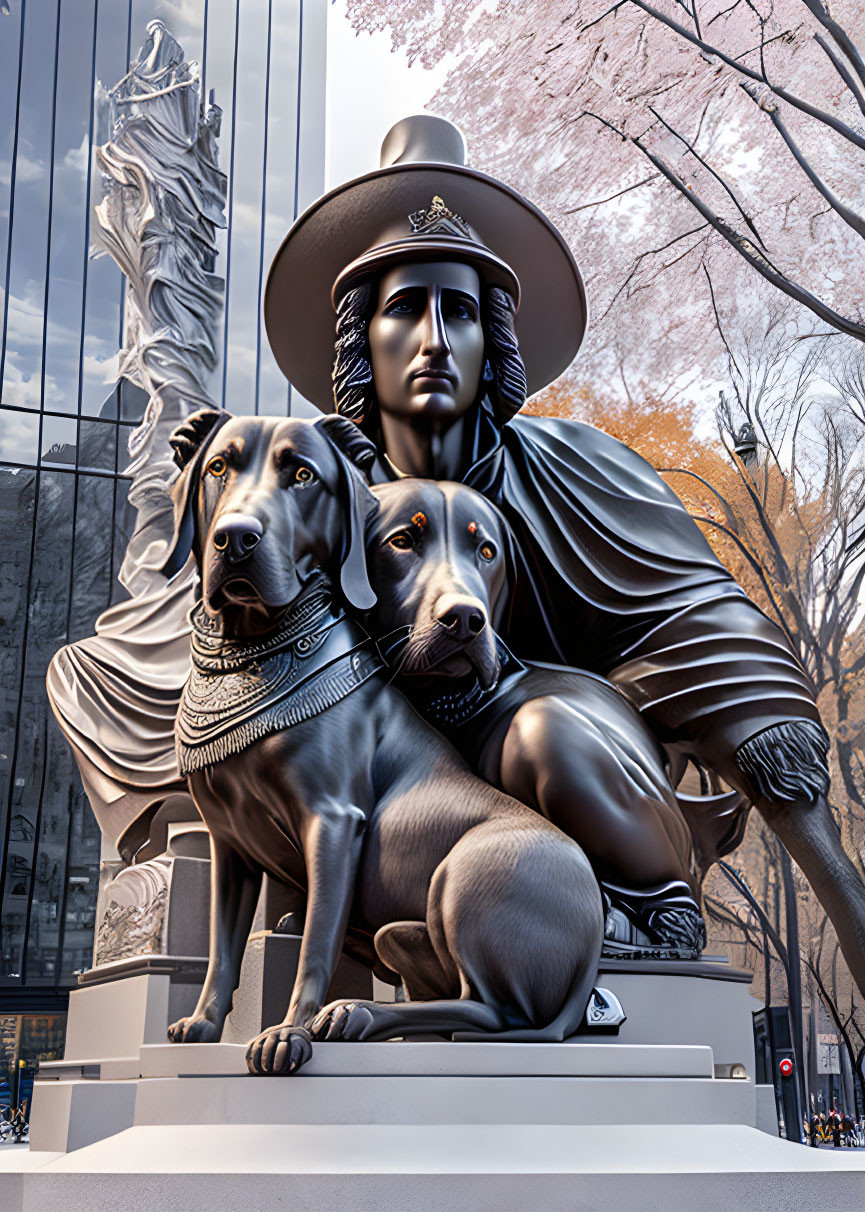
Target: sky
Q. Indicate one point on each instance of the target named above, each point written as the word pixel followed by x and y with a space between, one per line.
pixel 368 89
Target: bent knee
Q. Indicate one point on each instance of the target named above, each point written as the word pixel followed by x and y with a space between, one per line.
pixel 554 751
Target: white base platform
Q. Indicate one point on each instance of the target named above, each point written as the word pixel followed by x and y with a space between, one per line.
pixel 412 1125
pixel 435 1168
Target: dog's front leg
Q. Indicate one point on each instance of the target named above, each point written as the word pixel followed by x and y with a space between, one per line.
pixel 332 837
pixel 234 889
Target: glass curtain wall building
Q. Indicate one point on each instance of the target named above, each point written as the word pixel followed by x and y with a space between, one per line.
pixel 64 418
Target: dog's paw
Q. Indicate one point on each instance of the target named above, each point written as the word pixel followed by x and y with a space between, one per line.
pixel 279 1049
pixel 345 1020
pixel 194 1030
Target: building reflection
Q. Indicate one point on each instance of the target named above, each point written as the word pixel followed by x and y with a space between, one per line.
pixel 64 418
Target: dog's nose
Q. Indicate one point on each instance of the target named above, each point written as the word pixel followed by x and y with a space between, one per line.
pixel 463 617
pixel 237 535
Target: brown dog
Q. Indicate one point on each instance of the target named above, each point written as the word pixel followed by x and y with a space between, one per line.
pixel 565 742
pixel 307 765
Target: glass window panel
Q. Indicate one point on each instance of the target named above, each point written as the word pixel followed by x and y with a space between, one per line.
pixel 46 608
pixel 22 369
pixel 10 41
pixel 91 589
pixel 124 524
pixel 59 440
pixel 245 211
pixel 19 436
pixel 103 303
pixel 221 32
pixel 49 867
pixel 42 1038
pixel 98 446
pixel 280 179
pixel 17 494
pixel 69 222
pixel 82 881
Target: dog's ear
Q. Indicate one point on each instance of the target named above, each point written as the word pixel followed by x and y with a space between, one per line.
pixel 354 454
pixel 348 437
pixel 501 607
pixel 189 440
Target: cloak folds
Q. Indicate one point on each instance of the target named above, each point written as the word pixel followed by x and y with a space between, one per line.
pixel 616 578
pixel 619 580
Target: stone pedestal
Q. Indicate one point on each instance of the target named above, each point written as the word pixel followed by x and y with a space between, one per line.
pixel 648 1119
pixel 266 981
pixel 121 1006
pixel 426 1126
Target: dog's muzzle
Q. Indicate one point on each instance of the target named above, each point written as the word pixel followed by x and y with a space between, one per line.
pixel 236 535
pixel 463 617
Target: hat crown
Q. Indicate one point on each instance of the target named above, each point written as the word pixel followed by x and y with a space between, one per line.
pixel 423 139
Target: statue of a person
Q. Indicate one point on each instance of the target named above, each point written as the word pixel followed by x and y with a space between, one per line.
pixel 454 299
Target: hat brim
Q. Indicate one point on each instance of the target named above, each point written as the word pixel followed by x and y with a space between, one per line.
pixel 344 224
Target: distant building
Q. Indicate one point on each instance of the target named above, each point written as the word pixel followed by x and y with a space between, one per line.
pixel 65 420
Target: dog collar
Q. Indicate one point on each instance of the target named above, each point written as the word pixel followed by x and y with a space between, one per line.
pixel 239 691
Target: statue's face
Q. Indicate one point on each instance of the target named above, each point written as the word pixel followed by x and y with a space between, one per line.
pixel 426 340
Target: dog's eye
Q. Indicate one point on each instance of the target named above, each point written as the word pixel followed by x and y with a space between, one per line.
pixel 217 466
pixel 304 475
pixel 487 551
pixel 402 541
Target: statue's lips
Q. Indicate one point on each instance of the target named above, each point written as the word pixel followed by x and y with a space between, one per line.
pixel 429 373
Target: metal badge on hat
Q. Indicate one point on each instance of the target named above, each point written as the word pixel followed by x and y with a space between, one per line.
pixel 438 220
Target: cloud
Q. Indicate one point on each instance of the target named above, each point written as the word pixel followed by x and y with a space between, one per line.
pixel 25 390
pixel 25 170
pixel 102 370
pixel 77 158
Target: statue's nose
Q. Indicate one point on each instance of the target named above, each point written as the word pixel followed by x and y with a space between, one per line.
pixel 463 617
pixel 237 535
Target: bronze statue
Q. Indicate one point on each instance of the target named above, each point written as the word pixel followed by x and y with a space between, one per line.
pixel 452 298
pixel 565 742
pixel 307 765
pixel 444 280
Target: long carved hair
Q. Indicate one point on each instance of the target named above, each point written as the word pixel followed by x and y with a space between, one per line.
pixel 353 391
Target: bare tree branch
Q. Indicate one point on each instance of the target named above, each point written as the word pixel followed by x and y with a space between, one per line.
pixel 797 102
pixel 746 249
pixel 816 9
pixel 731 193
pixel 842 70
pixel 850 217
pixel 612 197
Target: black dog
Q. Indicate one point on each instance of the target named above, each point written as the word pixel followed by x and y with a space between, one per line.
pixel 307 765
pixel 565 742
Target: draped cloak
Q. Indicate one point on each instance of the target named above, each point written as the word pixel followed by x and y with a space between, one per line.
pixel 613 576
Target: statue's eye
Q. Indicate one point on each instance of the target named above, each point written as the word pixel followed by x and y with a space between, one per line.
pixel 217 467
pixel 461 310
pixel 487 551
pixel 304 475
pixel 401 541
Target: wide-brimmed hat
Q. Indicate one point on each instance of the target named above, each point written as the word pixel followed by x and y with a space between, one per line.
pixel 422 204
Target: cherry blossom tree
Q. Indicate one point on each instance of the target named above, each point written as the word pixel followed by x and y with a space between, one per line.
pixel 681 145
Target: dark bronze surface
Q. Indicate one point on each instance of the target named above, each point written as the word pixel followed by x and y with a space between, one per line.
pixel 565 742
pixel 363 805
